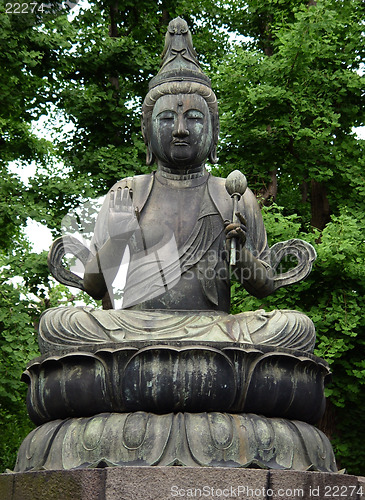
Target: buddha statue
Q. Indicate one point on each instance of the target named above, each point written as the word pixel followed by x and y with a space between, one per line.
pixel 176 223
pixel 171 377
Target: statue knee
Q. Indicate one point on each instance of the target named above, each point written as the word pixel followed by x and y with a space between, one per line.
pixel 66 327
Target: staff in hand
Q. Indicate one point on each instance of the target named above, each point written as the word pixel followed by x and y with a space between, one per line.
pixel 236 185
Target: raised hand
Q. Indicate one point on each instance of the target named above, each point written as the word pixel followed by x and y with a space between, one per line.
pixel 122 220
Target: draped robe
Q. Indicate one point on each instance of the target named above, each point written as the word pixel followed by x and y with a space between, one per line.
pixel 178 283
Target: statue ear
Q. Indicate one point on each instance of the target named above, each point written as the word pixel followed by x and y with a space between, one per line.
pixel 213 152
pixel 213 155
pixel 150 157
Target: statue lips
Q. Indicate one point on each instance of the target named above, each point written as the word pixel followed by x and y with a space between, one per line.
pixel 180 143
pixel 180 150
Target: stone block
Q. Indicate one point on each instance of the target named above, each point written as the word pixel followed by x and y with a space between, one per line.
pixel 169 483
pixel 85 484
pixel 6 486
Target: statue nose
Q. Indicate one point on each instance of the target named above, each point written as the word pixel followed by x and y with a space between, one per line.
pixel 180 129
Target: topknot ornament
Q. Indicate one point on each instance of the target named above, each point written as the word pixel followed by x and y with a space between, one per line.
pixel 179 58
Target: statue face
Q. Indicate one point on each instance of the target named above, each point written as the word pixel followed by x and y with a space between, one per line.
pixel 181 130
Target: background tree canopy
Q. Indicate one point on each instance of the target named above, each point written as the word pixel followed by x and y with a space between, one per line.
pixel 288 77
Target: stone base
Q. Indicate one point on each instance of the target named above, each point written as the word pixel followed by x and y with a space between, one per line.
pixel 164 483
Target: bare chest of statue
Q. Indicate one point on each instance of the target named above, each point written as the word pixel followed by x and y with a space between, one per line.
pixel 182 235
pixel 172 209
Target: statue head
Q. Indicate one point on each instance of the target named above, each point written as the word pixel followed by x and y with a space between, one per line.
pixel 180 123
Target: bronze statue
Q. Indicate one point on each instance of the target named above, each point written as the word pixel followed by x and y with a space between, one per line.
pixel 175 223
pixel 172 378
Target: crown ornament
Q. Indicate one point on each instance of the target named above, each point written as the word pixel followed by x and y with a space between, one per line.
pixel 179 58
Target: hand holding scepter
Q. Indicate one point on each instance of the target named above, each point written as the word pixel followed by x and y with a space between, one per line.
pixel 236 185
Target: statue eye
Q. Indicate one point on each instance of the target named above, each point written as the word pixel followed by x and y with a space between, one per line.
pixel 166 116
pixel 194 114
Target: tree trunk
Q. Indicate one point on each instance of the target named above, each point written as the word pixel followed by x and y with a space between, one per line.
pixel 114 33
pixel 269 193
pixel 304 191
pixel 320 208
pixel 113 27
pixel 165 18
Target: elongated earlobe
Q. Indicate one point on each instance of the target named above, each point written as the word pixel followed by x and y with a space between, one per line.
pixel 150 157
pixel 213 155
pixel 213 158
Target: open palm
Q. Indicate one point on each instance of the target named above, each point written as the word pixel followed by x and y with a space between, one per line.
pixel 122 220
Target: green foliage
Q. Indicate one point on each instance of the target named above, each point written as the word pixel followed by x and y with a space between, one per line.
pixel 18 344
pixel 293 109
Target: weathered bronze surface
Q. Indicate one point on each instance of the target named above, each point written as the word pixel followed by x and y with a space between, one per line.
pixel 190 439
pixel 180 226
pixel 171 377
pixel 178 377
